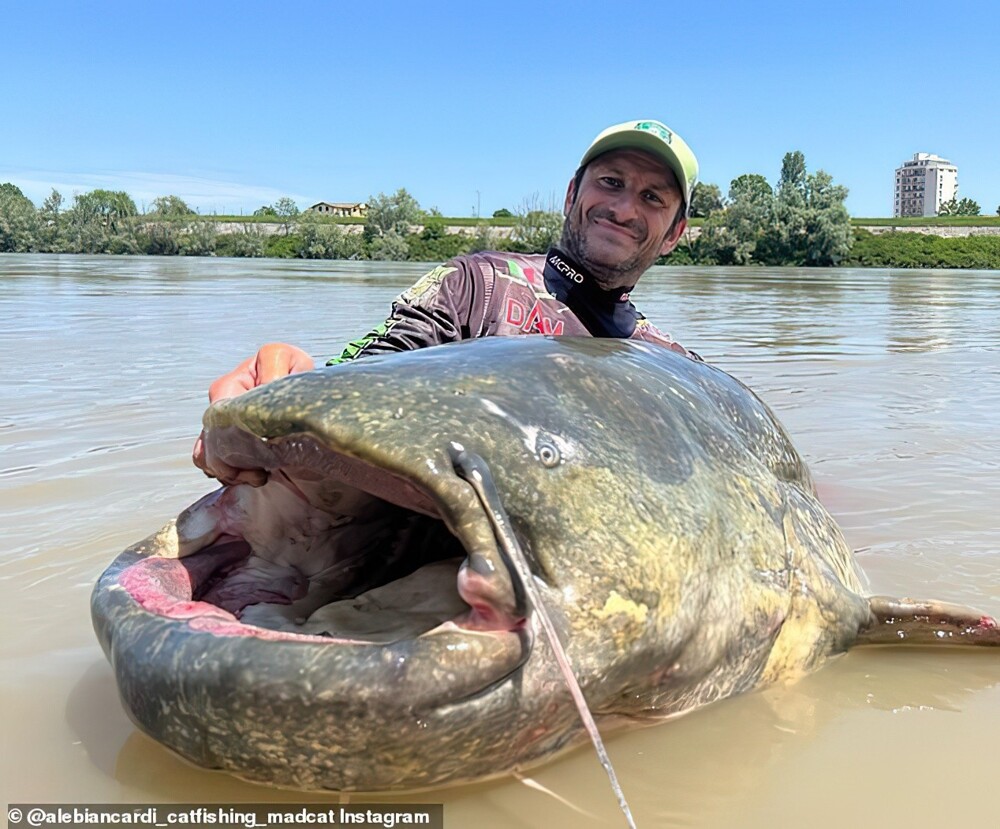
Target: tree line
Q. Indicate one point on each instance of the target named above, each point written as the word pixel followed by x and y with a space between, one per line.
pixel 395 228
pixel 800 220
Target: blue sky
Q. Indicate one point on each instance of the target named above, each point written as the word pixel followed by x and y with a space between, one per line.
pixel 472 105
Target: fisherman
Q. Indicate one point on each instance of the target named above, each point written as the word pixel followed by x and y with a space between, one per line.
pixel 626 206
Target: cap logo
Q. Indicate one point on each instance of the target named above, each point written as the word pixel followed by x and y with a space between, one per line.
pixel 657 129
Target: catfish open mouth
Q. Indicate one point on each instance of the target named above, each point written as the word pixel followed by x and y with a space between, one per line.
pixel 338 547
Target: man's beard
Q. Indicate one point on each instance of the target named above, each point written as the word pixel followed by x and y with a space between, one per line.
pixel 622 274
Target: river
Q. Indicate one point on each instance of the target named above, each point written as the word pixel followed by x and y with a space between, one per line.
pixel 888 381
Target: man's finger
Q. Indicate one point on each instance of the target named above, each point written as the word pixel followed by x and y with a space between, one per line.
pixel 274 360
pixel 219 469
pixel 233 384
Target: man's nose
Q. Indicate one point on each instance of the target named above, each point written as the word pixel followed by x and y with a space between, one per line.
pixel 625 206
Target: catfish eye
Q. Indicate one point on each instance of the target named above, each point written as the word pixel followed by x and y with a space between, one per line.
pixel 548 453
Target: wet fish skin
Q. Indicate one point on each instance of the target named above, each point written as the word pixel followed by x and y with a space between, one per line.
pixel 672 526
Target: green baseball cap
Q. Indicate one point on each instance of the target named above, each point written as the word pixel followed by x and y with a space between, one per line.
pixel 653 137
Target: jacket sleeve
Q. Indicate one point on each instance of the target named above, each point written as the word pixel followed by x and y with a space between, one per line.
pixel 443 306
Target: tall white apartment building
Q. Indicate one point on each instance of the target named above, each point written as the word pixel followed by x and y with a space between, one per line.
pixel 924 184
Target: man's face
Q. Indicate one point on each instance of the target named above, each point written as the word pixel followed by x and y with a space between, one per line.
pixel 621 219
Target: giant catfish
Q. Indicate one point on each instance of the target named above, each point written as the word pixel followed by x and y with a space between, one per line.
pixel 354 624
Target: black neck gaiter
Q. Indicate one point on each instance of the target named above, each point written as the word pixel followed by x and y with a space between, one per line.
pixel 604 313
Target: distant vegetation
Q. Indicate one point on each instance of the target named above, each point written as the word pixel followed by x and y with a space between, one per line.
pixel 921 250
pixel 930 221
pixel 103 221
pixel 801 220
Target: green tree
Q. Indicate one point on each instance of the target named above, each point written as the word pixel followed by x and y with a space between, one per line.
pixel 51 220
pixel 954 207
pixel 396 213
pixel 705 200
pixel 265 210
pixel 286 211
pixel 391 245
pixel 285 208
pixel 784 239
pixel 102 221
pixel 170 207
pixel 246 241
pixel 9 189
pixel 801 222
pixel 812 226
pixel 828 235
pixel 441 249
pixel 485 237
pixel 109 208
pixel 319 238
pixel 435 227
pixel 536 228
pixel 731 236
pixel 792 183
pixel 536 231
pixel 160 239
pixel 967 207
pixel 751 188
pixel 19 223
pixel 199 238
pixel 502 213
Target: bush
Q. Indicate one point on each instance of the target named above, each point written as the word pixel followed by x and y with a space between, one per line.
pixel 19 223
pixel 282 247
pixel 390 246
pixel 919 250
pixel 535 231
pixel 437 249
pixel 319 239
pixel 160 239
pixel 199 239
pixel 248 241
pixel 484 239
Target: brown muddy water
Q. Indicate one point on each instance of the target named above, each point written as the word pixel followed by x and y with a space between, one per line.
pixel 888 381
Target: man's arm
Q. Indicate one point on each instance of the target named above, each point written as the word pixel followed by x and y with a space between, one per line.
pixel 445 305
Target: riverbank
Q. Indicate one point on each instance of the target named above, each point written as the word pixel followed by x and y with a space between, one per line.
pixel 902 244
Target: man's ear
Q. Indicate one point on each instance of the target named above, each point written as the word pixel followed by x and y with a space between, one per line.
pixel 674 238
pixel 570 195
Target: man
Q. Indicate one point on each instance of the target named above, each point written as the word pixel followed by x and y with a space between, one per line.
pixel 625 207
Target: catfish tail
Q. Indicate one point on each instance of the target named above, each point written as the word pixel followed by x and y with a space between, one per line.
pixel 912 622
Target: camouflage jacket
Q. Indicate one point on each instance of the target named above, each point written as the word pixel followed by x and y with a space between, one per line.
pixel 503 294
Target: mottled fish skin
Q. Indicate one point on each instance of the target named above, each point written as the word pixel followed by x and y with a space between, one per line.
pixel 673 527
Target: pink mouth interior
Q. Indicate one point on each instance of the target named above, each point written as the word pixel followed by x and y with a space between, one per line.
pixel 262 574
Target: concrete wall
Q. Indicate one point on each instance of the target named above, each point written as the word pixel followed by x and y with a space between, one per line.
pixel 936 231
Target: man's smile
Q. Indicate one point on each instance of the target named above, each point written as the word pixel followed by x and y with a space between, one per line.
pixel 628 231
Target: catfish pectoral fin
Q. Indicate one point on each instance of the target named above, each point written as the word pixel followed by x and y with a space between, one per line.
pixel 918 622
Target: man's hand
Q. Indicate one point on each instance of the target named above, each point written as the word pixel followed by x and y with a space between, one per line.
pixel 271 362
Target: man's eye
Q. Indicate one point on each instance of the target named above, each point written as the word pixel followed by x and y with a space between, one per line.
pixel 611 181
pixel 654 198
